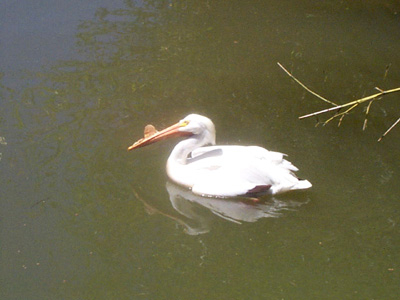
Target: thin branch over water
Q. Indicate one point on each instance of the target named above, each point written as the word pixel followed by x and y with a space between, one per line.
pixel 351 104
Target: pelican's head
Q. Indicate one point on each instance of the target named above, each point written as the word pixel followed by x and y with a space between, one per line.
pixel 199 128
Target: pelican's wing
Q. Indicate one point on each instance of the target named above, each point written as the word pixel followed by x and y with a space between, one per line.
pixel 240 170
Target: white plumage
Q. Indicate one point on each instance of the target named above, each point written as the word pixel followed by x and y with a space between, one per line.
pixel 223 171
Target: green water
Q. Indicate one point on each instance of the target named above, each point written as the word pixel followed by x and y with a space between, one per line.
pixel 81 218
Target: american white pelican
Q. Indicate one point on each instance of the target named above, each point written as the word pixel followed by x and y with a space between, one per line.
pixel 222 171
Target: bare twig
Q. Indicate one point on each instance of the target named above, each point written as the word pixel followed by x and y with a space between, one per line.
pixel 366 115
pixel 306 88
pixel 386 71
pixel 340 121
pixel 390 128
pixel 358 101
pixel 352 104
pixel 342 114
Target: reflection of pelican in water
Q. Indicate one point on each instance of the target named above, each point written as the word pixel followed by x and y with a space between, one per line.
pixel 196 213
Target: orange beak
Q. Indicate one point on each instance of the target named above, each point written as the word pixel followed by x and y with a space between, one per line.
pixel 171 131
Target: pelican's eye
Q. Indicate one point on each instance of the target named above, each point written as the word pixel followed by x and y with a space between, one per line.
pixel 184 123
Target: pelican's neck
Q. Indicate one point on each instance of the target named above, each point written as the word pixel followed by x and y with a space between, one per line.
pixel 183 149
pixel 178 168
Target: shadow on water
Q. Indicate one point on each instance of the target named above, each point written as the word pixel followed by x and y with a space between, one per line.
pixel 196 213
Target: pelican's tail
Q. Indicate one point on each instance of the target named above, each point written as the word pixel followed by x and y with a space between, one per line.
pixel 302 185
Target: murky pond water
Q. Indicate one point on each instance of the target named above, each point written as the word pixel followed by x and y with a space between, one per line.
pixel 81 218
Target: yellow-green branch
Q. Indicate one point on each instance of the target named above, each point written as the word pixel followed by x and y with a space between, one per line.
pixel 352 104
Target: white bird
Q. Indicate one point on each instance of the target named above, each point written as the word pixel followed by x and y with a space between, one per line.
pixel 222 171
